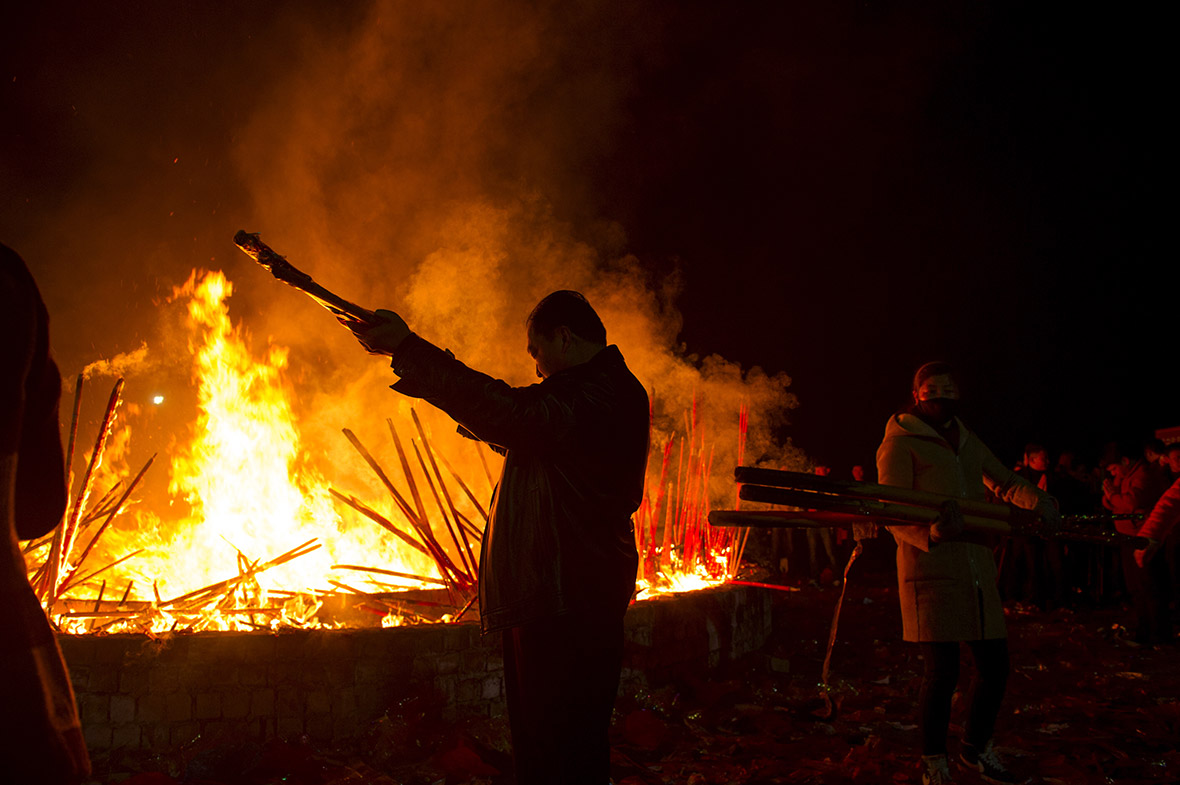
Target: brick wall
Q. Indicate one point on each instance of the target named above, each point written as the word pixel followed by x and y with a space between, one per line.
pixel 137 692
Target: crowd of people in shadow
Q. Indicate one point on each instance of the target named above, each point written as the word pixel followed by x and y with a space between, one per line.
pixel 1132 491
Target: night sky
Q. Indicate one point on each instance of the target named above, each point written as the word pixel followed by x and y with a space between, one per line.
pixel 845 189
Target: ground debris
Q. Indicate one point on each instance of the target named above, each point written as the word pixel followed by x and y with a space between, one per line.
pixel 1083 708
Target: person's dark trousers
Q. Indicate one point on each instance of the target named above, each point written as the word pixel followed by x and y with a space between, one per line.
pixel 1018 570
pixel 1051 588
pixel 561 676
pixel 983 697
pixel 1148 587
pixel 1171 555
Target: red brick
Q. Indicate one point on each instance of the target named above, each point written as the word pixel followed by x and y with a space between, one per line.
pixel 208 706
pixel 235 705
pixel 178 706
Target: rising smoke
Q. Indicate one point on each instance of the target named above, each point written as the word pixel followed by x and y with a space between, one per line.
pixel 430 158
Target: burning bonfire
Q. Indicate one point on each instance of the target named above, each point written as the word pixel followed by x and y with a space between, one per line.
pixel 269 541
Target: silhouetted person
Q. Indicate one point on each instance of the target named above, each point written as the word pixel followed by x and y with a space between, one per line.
pixel 821 536
pixel 947 576
pixel 40 737
pixel 1171 542
pixel 1156 452
pixel 558 559
pixel 1039 559
pixel 1082 559
pixel 1135 487
pixel 1159 528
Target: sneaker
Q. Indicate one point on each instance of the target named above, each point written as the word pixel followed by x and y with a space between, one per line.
pixel 988 764
pixel 936 770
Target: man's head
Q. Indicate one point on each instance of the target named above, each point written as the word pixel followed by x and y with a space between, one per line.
pixel 1036 457
pixel 563 331
pixel 858 473
pixel 1155 451
pixel 936 391
pixel 1173 460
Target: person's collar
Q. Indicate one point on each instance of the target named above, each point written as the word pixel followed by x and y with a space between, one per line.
pixel 603 355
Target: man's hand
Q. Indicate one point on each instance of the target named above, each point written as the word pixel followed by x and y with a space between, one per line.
pixel 382 336
pixel 950 522
pixel 1050 516
pixel 1143 555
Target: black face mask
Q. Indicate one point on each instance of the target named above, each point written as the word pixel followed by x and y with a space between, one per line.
pixel 937 410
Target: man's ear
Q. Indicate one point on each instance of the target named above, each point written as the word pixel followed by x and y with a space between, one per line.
pixel 567 337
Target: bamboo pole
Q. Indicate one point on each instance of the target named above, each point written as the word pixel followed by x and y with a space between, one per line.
pixel 111 516
pixel 463 485
pixel 473 563
pixel 799 481
pixel 46 579
pixel 466 573
pixel 62 555
pixel 424 531
pixel 409 475
pixel 88 576
pixel 395 574
pixel 360 448
pixel 378 518
pixel 217 588
pixel 486 469
pixel 421 525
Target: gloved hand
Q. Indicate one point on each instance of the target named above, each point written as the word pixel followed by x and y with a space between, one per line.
pixel 1143 555
pixel 950 523
pixel 382 336
pixel 1049 514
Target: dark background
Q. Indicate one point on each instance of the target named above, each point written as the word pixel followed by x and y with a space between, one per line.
pixel 848 189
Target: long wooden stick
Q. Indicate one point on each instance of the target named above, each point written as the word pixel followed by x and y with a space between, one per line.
pixel 473 563
pixel 801 481
pixel 278 266
pixel 376 467
pixel 378 518
pixel 62 554
pixel 466 570
pixel 420 523
pixel 463 485
pixel 409 475
pixel 856 511
pixel 46 576
pixel 394 573
pixel 114 511
pixel 870 508
pixel 217 588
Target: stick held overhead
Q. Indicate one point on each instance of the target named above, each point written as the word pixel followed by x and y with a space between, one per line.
pixel 278 266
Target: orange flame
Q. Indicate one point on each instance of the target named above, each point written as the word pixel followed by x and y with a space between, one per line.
pixel 253 492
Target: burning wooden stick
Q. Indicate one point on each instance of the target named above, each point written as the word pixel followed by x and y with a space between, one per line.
pixel 464 550
pixel 395 574
pixel 420 523
pixel 62 546
pixel 378 518
pixel 110 516
pixel 280 268
pixel 202 595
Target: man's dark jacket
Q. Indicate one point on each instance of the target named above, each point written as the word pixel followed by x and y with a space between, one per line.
pixel 559 538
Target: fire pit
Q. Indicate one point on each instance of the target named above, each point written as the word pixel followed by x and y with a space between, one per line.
pixel 158 693
pixel 276 603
